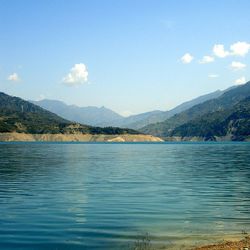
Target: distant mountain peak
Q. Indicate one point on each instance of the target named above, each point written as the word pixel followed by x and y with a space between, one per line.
pixel 102 116
pixel 91 115
pixel 20 116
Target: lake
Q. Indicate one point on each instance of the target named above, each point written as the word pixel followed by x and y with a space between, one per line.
pixel 106 195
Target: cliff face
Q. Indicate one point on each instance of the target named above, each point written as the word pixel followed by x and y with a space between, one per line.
pixel 78 137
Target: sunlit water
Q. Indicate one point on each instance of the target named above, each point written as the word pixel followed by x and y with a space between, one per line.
pixel 102 196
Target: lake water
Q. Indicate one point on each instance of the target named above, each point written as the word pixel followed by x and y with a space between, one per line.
pixel 103 196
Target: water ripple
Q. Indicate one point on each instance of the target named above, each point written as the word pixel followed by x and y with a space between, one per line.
pixel 101 196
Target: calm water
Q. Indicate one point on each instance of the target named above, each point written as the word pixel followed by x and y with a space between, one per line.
pixel 102 196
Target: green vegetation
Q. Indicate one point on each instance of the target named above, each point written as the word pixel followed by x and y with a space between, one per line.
pixel 234 121
pixel 226 115
pixel 17 115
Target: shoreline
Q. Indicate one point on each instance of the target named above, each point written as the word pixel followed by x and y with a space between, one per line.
pixel 78 137
pixel 242 244
pixel 239 241
pixel 23 137
pixel 201 139
pixel 228 243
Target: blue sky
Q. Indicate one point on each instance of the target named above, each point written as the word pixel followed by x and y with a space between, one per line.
pixel 131 56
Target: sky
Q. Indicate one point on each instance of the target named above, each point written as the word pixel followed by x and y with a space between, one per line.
pixel 131 56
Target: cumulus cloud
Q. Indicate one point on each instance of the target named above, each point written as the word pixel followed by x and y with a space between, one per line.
pixel 187 58
pixel 237 65
pixel 213 76
pixel 220 51
pixel 241 80
pixel 240 48
pixel 207 59
pixel 236 49
pixel 13 77
pixel 78 75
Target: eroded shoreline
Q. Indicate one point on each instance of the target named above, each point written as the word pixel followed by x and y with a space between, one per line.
pixel 243 244
pixel 8 137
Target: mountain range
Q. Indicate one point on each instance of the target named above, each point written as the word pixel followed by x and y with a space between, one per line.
pixel 220 115
pixel 18 115
pixel 225 116
pixel 229 124
pixel 91 115
pixel 104 117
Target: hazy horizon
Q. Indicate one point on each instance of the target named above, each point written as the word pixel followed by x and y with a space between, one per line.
pixel 131 57
pixel 124 115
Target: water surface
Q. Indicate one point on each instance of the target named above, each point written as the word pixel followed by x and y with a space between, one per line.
pixel 102 196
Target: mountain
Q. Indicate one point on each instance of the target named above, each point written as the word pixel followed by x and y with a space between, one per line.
pixel 224 102
pixel 135 121
pixel 160 116
pixel 93 116
pixel 189 104
pixel 18 115
pixel 104 117
pixel 232 123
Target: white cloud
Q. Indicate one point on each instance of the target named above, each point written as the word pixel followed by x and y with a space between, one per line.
pixel 13 77
pixel 78 75
pixel 207 59
pixel 187 58
pixel 240 81
pixel 219 51
pixel 237 65
pixel 240 48
pixel 213 76
pixel 236 49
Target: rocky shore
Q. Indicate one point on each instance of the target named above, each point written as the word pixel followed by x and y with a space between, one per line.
pixel 78 137
pixel 243 244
